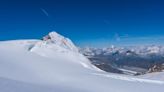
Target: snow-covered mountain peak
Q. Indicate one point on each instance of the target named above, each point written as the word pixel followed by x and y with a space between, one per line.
pixel 59 40
pixel 55 46
pixel 54 36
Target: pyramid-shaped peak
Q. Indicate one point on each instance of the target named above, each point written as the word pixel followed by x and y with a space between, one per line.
pixel 54 33
pixel 57 39
pixel 53 36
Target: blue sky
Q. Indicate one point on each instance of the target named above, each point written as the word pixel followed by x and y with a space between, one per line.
pixel 96 23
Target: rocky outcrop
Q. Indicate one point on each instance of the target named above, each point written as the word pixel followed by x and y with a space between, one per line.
pixel 156 68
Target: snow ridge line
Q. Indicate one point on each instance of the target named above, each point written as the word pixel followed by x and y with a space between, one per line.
pixel 131 79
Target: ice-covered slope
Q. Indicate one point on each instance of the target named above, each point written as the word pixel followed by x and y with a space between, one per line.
pixel 38 66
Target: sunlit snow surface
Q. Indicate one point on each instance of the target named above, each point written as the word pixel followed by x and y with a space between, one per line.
pixel 33 66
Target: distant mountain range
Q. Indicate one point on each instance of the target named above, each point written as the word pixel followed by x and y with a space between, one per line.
pixel 127 60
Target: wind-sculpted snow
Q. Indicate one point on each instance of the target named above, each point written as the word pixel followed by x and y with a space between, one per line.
pixel 53 68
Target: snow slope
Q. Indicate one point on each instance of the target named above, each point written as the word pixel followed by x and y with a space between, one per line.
pixel 40 66
pixel 154 76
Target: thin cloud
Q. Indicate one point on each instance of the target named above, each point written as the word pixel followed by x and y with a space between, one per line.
pixel 117 37
pixel 45 12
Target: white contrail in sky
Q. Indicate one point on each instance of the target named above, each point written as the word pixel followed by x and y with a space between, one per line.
pixel 44 11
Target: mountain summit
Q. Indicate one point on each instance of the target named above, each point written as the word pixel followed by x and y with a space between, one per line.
pixel 55 42
pixel 55 38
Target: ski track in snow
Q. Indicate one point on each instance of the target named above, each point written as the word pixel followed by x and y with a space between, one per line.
pixel 131 79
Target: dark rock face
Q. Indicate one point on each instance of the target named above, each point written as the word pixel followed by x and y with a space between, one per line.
pixel 45 38
pixel 156 68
